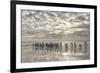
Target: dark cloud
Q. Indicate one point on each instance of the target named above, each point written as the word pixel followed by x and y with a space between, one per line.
pixel 80 18
pixel 80 33
pixel 84 26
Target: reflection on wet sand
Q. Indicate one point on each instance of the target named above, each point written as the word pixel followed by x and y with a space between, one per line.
pixel 43 51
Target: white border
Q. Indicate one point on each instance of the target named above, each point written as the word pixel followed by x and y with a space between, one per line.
pixel 20 65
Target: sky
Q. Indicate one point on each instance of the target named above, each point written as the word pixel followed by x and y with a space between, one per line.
pixel 44 24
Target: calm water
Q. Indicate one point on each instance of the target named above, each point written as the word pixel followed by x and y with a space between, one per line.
pixel 31 54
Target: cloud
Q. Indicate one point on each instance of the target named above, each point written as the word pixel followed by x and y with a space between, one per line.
pixel 53 23
pixel 82 26
pixel 81 33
